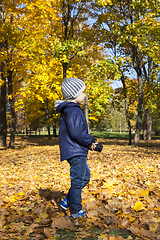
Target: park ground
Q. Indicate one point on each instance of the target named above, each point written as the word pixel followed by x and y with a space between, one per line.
pixel 122 200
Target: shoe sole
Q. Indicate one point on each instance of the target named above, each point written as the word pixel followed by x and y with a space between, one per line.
pixel 79 217
pixel 63 207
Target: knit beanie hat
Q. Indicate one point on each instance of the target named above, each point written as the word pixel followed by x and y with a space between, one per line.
pixel 72 87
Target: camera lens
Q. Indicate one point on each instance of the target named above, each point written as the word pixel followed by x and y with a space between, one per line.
pixel 98 147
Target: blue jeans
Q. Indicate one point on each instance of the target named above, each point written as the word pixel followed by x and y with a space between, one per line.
pixel 80 176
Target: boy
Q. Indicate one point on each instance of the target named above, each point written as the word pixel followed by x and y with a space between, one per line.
pixel 74 142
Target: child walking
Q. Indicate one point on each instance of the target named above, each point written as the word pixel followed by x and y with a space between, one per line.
pixel 74 142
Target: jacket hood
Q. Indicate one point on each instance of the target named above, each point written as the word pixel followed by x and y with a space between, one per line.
pixel 60 105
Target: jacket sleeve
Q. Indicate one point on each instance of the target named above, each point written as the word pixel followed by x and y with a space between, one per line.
pixel 77 128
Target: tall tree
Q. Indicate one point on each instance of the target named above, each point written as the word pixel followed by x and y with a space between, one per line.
pixel 131 29
pixel 3 46
pixel 12 63
pixel 12 109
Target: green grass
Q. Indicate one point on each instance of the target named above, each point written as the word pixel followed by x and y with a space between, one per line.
pixel 94 133
pixel 105 134
pixel 110 134
pixel 120 232
pixel 94 234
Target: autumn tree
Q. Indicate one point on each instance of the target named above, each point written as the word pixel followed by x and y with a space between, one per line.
pixel 58 42
pixel 12 65
pixel 131 30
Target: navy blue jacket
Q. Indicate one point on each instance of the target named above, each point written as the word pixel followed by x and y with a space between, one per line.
pixel 74 139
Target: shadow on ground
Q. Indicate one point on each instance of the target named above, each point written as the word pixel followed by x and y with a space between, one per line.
pixel 35 140
pixel 25 141
pixel 87 234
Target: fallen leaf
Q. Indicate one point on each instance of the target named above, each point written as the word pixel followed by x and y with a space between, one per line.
pixel 123 191
pixel 108 220
pixel 138 206
pixel 44 221
pixel 17 226
pixel 2 223
pixel 47 233
pixel 125 223
pixel 92 213
pixel 62 222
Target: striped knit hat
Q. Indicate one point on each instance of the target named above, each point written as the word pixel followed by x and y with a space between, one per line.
pixel 72 87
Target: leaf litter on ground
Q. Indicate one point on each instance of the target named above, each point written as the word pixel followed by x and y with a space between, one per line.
pixel 123 193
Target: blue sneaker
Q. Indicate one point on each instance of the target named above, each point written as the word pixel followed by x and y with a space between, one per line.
pixel 64 204
pixel 81 213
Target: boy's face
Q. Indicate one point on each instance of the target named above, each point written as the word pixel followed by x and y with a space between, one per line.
pixel 80 99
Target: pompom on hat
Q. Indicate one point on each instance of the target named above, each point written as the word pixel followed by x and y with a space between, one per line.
pixel 72 87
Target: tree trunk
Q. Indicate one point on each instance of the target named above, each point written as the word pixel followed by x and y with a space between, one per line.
pixel 65 70
pixel 86 112
pixel 54 131
pixel 147 125
pixel 12 110
pixel 48 127
pixel 136 59
pixel 140 111
pixel 149 111
pixel 3 121
pixel 126 109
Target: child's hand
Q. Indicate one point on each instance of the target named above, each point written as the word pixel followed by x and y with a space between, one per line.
pixel 93 146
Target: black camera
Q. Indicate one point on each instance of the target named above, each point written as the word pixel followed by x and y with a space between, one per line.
pixel 98 147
